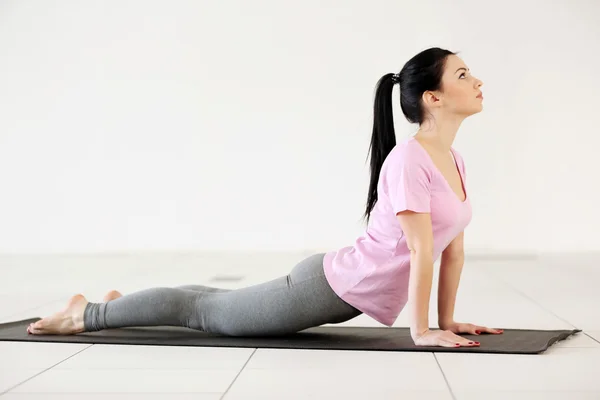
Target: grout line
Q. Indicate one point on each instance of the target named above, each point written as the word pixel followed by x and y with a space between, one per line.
pixel 47 369
pixel 444 375
pixel 591 337
pixel 239 373
pixel 543 307
pixel 537 303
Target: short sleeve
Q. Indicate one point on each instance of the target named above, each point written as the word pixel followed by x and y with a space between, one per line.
pixel 409 186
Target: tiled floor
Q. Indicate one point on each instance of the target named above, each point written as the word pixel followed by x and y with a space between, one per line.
pixel 547 293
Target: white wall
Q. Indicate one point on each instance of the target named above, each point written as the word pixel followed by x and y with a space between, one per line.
pixel 236 125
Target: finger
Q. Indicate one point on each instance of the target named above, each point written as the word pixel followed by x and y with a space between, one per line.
pixel 466 342
pixel 469 343
pixel 449 339
pixel 491 330
pixel 476 330
pixel 460 341
pixel 448 343
pixel 482 329
pixel 453 338
pixel 467 328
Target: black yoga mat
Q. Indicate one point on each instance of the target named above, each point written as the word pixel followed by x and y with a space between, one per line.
pixel 512 341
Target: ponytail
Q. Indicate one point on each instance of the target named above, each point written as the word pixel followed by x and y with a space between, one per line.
pixel 421 73
pixel 383 138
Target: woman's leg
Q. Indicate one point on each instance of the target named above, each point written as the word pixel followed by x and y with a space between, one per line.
pixel 205 289
pixel 114 294
pixel 299 300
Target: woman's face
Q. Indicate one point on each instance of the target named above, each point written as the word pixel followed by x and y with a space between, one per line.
pixel 461 92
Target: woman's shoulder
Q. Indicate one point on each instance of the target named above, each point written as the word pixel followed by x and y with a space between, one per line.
pixel 408 152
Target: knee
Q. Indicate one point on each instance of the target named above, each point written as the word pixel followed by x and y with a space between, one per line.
pixel 190 312
pixel 207 314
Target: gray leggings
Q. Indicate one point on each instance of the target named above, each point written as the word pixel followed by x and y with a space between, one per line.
pixel 300 300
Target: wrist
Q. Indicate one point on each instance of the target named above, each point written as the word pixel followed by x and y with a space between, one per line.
pixel 445 323
pixel 417 332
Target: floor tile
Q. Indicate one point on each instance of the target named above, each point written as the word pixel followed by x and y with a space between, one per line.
pixel 333 393
pixel 10 377
pixel 15 304
pixel 15 355
pixel 581 339
pixel 340 360
pixel 408 371
pixel 561 369
pixel 594 335
pixel 504 310
pixel 158 357
pixel 129 381
pixel 334 384
pixel 37 311
pixel 569 308
pixel 527 395
pixel 558 290
pixel 112 396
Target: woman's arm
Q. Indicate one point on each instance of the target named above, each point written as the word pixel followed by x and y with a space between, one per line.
pixel 453 259
pixel 419 238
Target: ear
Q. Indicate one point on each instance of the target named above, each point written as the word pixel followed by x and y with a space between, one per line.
pixel 431 99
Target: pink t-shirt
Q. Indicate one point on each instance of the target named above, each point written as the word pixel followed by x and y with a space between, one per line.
pixel 372 275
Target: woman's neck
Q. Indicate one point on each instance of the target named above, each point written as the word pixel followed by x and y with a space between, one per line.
pixel 439 133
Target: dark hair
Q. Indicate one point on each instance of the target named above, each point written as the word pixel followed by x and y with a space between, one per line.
pixel 421 73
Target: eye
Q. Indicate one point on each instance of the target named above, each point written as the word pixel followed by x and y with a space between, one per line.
pixel 462 75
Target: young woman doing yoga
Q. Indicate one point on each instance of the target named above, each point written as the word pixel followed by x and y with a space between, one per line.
pixel 417 209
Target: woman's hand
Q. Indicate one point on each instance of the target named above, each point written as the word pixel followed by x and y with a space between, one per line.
pixel 458 327
pixel 442 338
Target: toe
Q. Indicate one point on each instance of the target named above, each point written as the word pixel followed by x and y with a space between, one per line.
pixel 39 324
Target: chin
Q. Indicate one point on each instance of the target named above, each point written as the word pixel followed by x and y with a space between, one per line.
pixel 477 109
pixel 470 109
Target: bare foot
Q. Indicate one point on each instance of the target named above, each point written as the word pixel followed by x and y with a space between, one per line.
pixel 112 295
pixel 66 322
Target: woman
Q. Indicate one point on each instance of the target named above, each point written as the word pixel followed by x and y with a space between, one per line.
pixel 417 209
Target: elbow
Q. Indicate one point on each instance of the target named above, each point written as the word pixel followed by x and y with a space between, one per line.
pixel 421 251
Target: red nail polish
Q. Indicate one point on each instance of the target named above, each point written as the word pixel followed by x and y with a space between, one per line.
pixel 478 332
pixel 477 343
pixel 471 343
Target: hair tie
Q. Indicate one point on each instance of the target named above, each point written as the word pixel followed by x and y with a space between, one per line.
pixel 396 78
